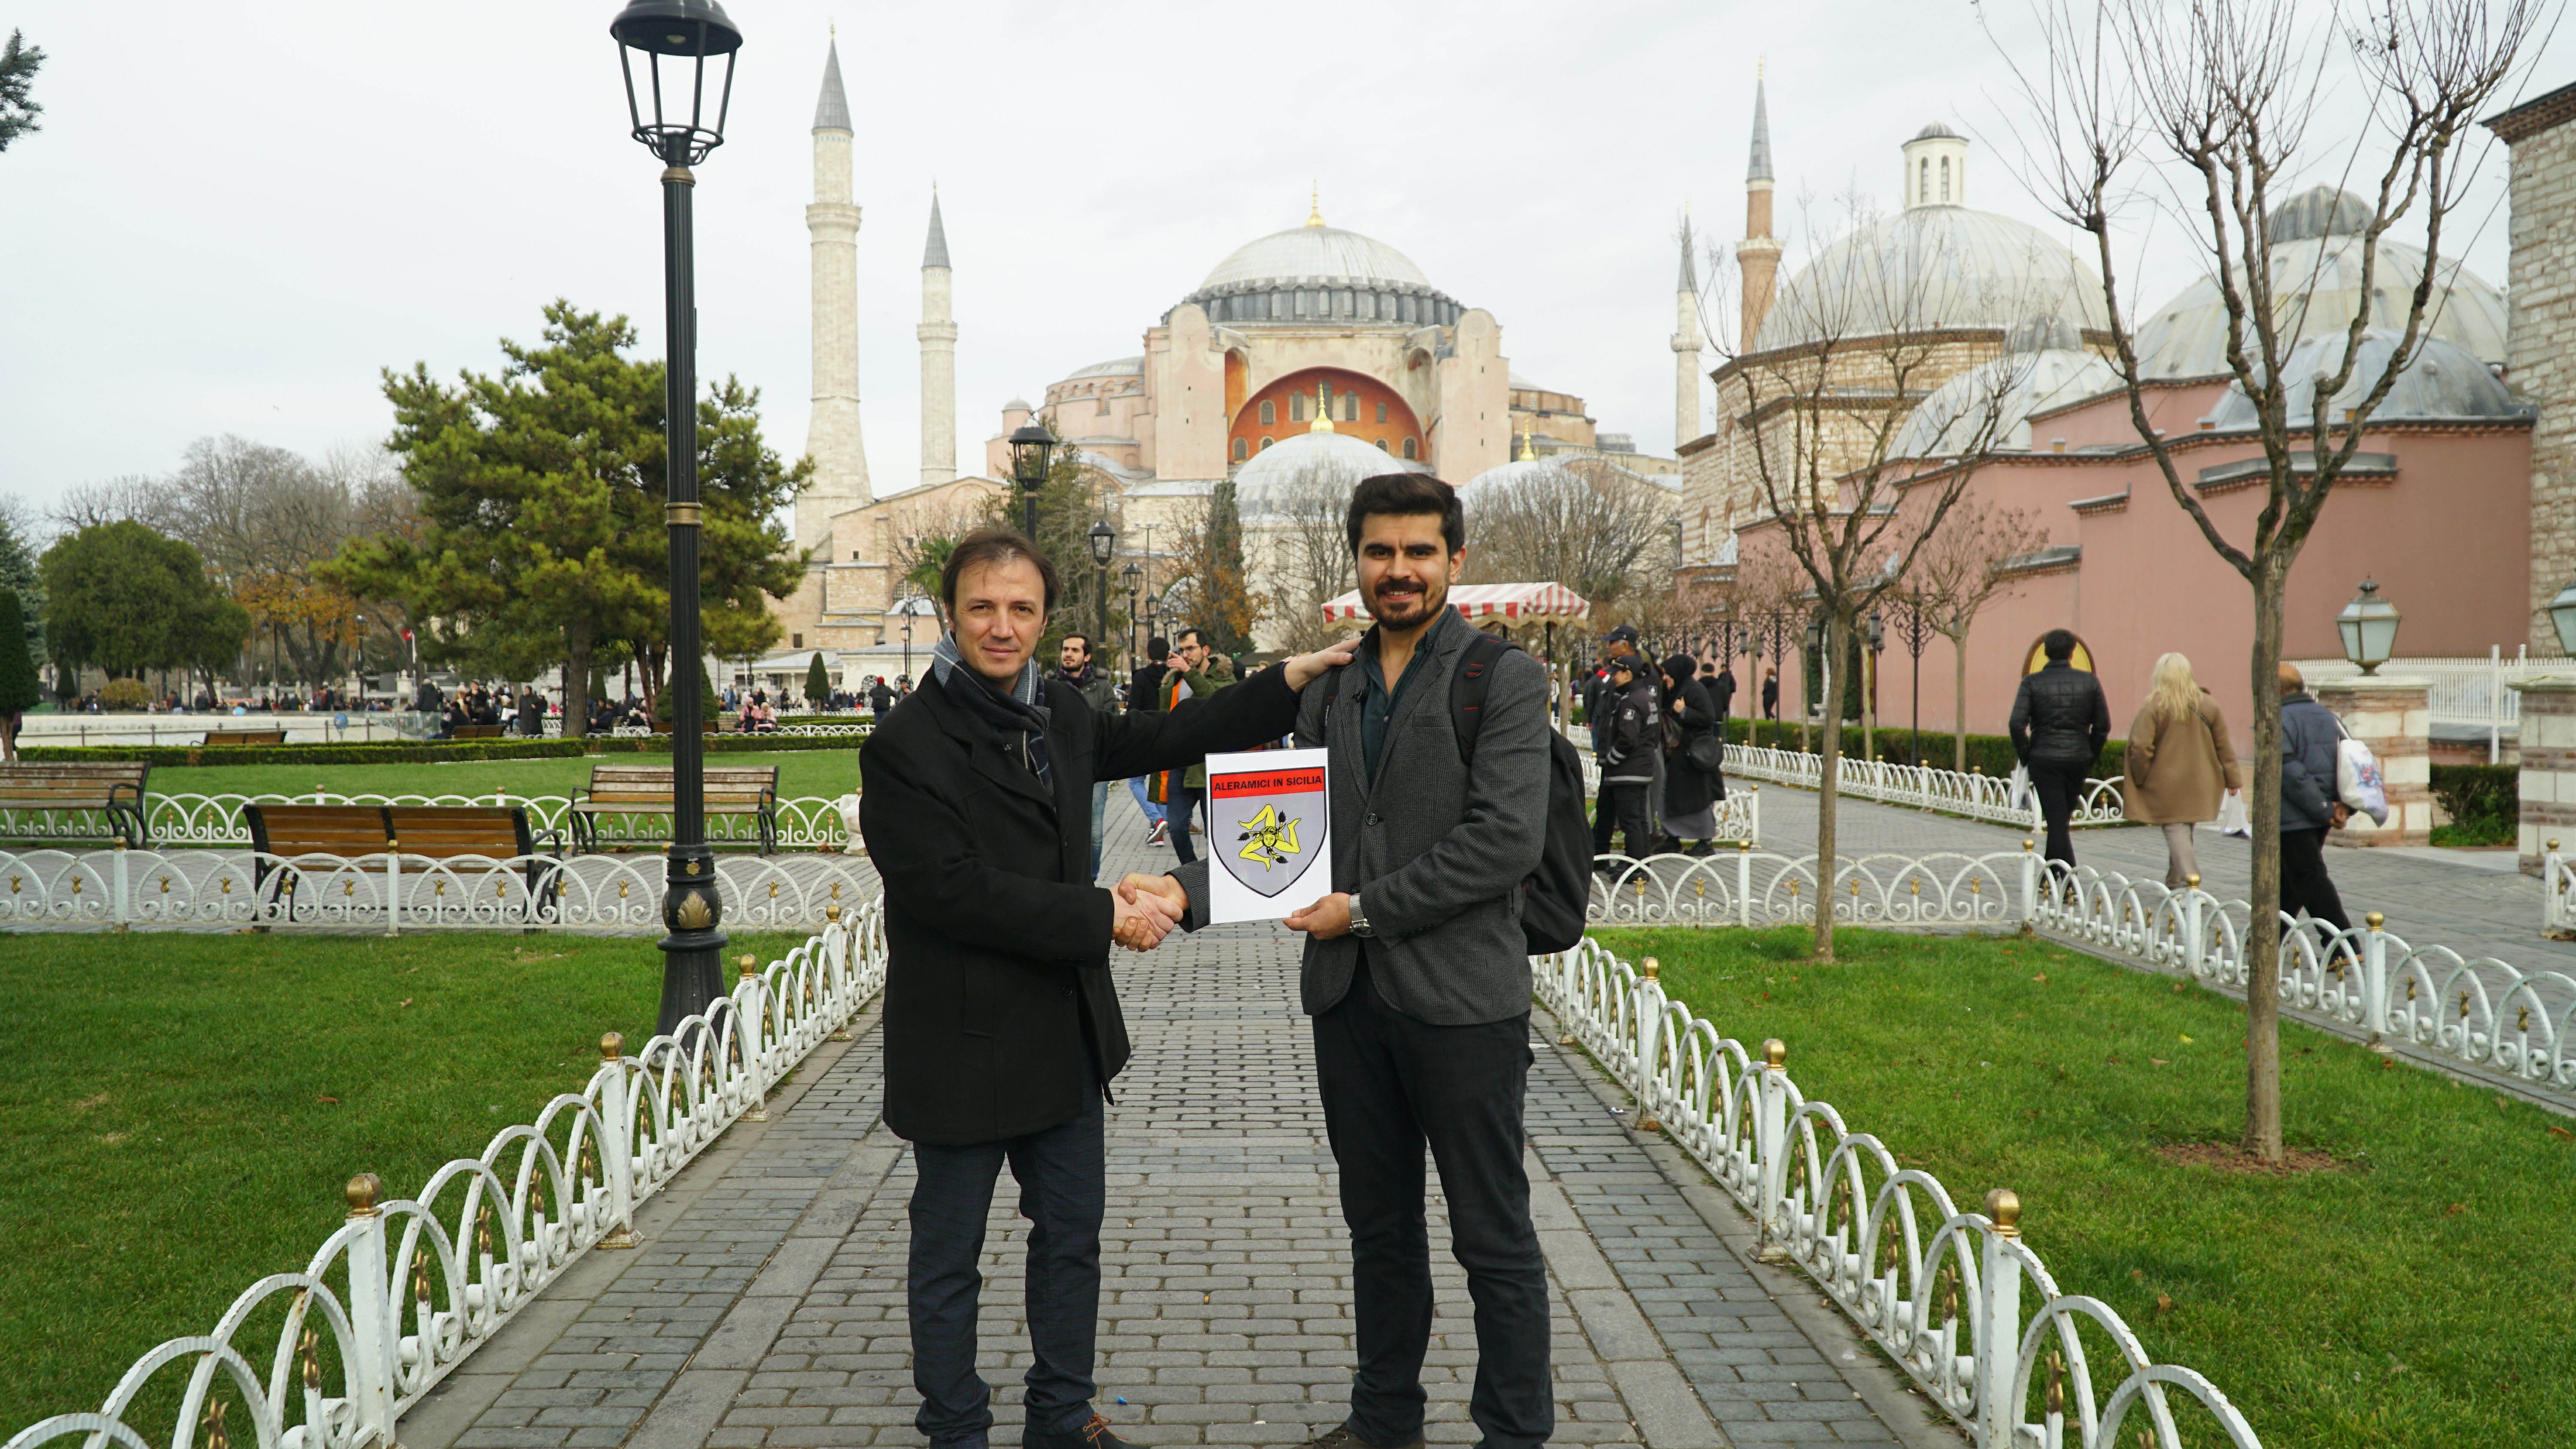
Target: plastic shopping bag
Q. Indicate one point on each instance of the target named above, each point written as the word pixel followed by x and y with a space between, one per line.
pixel 2233 818
pixel 2017 792
pixel 2358 782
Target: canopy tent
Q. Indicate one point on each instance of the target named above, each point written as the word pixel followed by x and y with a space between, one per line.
pixel 1532 603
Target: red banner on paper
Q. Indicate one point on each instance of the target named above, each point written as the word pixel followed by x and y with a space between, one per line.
pixel 1272 782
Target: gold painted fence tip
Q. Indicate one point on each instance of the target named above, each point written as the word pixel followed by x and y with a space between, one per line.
pixel 363 1192
pixel 1775 1053
pixel 2004 1206
pixel 612 1045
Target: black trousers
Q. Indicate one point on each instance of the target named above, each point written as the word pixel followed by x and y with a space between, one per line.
pixel 2304 882
pixel 2060 788
pixel 1625 800
pixel 1605 817
pixel 1184 799
pixel 1390 1086
pixel 1062 1193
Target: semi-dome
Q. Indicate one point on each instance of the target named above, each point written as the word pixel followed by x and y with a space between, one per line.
pixel 2316 279
pixel 2444 382
pixel 1932 267
pixel 1319 273
pixel 2009 389
pixel 1114 367
pixel 1303 460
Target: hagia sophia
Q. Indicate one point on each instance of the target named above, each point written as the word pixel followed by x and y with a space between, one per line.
pixel 1319 353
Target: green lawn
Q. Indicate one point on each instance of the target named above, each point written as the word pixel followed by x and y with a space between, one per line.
pixel 184 1111
pixel 2416 1294
pixel 800 772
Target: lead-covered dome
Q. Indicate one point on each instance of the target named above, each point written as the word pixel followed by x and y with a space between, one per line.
pixel 1932 267
pixel 2444 383
pixel 1319 273
pixel 2009 389
pixel 2316 262
pixel 1267 482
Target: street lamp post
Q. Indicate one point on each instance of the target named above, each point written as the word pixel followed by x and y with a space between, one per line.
pixel 1916 629
pixel 1104 543
pixel 686 34
pixel 1133 575
pixel 912 605
pixel 1869 688
pixel 1030 445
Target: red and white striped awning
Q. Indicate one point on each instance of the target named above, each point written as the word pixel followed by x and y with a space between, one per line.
pixel 1516 602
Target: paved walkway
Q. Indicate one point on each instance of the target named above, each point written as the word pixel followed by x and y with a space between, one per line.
pixel 766 1305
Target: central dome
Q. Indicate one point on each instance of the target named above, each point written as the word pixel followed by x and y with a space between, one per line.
pixel 1304 253
pixel 1932 267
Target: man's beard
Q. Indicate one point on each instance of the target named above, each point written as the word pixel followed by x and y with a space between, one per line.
pixel 1409 609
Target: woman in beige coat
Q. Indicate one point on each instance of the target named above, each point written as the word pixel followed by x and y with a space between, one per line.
pixel 2179 763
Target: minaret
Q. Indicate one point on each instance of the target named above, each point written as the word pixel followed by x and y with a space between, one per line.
pixel 1686 344
pixel 938 358
pixel 832 432
pixel 1758 255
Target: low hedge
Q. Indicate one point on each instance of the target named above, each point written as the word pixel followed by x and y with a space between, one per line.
pixel 1993 754
pixel 2473 794
pixel 405 752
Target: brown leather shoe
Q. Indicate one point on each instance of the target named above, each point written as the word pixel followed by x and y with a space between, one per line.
pixel 1094 1435
pixel 1341 1437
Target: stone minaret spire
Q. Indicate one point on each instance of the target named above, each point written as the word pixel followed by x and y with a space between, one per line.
pixel 938 358
pixel 832 437
pixel 1758 255
pixel 1686 344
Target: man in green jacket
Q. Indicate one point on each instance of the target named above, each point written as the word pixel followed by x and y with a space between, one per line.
pixel 1200 674
pixel 1074 667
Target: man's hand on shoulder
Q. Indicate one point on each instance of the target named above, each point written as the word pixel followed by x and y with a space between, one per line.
pixel 1306 668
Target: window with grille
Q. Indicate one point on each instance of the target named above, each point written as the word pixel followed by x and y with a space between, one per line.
pixel 1408 449
pixel 1269 413
pixel 1296 407
pixel 1242 449
pixel 1381 412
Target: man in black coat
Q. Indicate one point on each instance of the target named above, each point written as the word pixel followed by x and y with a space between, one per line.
pixel 1002 1027
pixel 2059 721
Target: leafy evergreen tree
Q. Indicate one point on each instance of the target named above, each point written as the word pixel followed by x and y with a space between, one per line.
pixel 126 599
pixel 19 62
pixel 19 690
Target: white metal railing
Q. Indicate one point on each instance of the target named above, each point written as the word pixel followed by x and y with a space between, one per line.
pixel 125 889
pixel 1928 787
pixel 2368 983
pixel 805 822
pixel 408 1288
pixel 1941 1290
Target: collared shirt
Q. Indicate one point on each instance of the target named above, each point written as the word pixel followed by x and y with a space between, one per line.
pixel 1377 702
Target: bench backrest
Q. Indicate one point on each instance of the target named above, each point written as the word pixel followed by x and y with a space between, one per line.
pixel 71 787
pixel 479 732
pixel 645 784
pixel 245 737
pixel 345 831
pixel 443 832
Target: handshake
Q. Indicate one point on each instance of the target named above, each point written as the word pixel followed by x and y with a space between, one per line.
pixel 1144 909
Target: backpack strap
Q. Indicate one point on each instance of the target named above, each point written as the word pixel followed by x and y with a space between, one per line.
pixel 1468 687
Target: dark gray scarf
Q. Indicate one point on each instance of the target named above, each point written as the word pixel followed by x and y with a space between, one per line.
pixel 1016 716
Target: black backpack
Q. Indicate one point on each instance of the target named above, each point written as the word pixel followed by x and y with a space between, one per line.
pixel 1554 896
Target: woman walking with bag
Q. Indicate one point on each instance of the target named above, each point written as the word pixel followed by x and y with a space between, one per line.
pixel 1692 783
pixel 2179 763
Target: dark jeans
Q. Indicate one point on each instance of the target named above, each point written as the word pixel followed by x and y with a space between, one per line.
pixel 2059 787
pixel 1605 817
pixel 1625 800
pixel 1060 1172
pixel 1184 799
pixel 1390 1084
pixel 2304 882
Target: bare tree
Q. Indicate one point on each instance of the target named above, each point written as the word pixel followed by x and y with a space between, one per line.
pixel 1965 566
pixel 1583 522
pixel 1305 524
pixel 1818 427
pixel 2202 113
pixel 133 496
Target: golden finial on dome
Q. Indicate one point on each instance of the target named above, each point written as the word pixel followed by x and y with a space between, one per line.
pixel 1527 454
pixel 1315 206
pixel 1323 396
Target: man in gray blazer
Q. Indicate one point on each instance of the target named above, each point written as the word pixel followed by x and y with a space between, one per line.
pixel 1417 975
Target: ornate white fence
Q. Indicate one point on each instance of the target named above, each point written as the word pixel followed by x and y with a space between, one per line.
pixel 805 822
pixel 201 889
pixel 2368 983
pixel 392 1302
pixel 1939 1289
pixel 1928 787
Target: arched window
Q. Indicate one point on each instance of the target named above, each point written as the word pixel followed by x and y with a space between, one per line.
pixel 1242 449
pixel 1381 412
pixel 1923 185
pixel 1945 178
pixel 1408 449
pixel 1265 444
pixel 1297 407
pixel 1350 407
pixel 1269 413
pixel 1381 445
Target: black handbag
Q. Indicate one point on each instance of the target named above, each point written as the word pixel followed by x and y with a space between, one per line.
pixel 1706 752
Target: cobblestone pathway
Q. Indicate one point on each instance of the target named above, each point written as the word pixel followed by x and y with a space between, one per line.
pixel 766 1305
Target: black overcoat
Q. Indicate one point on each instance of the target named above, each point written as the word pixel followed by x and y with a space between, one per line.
pixel 999 1003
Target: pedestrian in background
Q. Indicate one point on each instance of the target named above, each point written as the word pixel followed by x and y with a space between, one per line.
pixel 1145 696
pixel 1075 670
pixel 1600 711
pixel 1770 694
pixel 1630 738
pixel 2309 805
pixel 2060 722
pixel 2179 764
pixel 1690 793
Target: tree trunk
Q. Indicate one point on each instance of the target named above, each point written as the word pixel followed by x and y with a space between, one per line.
pixel 576 690
pixel 2263 932
pixel 1959 701
pixel 1837 631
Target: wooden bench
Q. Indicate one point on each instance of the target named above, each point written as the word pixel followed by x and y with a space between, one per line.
pixel 112 792
pixel 245 737
pixel 295 834
pixel 480 732
pixel 631 790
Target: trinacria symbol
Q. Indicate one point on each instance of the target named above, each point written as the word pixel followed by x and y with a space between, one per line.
pixel 1265 808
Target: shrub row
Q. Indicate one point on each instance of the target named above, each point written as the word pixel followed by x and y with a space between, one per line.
pixel 1992 754
pixel 405 752
pixel 2479 793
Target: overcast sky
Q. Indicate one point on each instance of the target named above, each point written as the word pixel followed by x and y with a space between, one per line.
pixel 236 215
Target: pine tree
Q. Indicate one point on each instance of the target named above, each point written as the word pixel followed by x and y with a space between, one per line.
pixel 19 690
pixel 19 63
pixel 818 684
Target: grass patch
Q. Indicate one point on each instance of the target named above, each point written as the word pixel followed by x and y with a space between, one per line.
pixel 167 1138
pixel 2410 1294
pixel 808 772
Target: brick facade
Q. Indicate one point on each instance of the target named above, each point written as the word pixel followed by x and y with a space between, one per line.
pixel 2541 351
